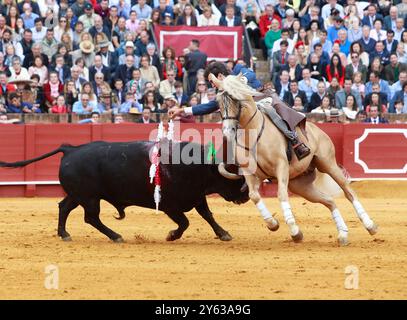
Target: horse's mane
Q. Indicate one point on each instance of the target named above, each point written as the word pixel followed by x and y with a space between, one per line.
pixel 237 88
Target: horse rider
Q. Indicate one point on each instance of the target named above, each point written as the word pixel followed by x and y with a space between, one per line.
pixel 219 70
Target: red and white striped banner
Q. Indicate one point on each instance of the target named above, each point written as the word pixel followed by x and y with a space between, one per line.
pixel 219 43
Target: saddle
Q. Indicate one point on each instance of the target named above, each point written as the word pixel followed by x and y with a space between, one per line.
pixel 286 120
pixel 292 118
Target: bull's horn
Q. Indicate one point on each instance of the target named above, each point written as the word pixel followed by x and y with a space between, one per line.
pixel 244 187
pixel 222 170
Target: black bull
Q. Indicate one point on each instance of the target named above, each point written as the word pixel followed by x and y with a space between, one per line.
pixel 119 173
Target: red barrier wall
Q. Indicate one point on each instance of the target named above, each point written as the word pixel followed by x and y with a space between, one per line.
pixel 366 151
pixel 375 151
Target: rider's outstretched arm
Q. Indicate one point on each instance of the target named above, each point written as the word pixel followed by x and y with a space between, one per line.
pixel 202 109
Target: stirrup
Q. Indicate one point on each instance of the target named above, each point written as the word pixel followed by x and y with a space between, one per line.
pixel 301 150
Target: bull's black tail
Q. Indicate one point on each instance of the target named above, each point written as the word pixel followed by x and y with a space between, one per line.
pixel 62 148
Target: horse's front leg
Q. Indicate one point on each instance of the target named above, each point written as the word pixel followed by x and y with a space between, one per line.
pixel 253 183
pixel 283 178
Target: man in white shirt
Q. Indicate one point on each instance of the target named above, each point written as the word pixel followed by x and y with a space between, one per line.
pixel 39 31
pixel 285 33
pixel 326 9
pixel 377 33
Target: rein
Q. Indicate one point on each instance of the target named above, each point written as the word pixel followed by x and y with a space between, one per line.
pixel 237 118
pixel 258 135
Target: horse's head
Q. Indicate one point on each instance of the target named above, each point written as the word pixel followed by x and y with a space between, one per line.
pixel 231 111
pixel 234 94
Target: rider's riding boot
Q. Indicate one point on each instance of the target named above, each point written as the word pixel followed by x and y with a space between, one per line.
pixel 300 149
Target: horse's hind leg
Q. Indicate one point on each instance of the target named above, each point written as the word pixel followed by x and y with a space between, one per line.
pixel 304 187
pixel 331 168
pixel 253 184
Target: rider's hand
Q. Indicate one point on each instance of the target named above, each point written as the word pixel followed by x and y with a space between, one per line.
pixel 175 111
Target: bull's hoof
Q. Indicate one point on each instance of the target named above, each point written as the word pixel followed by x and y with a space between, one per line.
pixel 273 227
pixel 66 239
pixel 118 240
pixel 172 236
pixel 225 237
pixel 298 237
pixel 373 230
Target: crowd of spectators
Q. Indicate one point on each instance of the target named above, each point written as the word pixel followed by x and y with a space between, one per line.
pixel 348 57
pixel 99 57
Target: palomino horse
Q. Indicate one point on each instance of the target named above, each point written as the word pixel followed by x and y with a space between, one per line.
pixel 239 111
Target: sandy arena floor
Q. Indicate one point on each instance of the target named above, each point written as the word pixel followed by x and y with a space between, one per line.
pixel 257 264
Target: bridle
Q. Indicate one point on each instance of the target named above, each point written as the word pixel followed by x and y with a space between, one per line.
pixel 236 118
pixel 225 116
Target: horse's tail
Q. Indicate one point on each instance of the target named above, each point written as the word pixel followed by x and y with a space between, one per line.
pixel 326 184
pixel 63 148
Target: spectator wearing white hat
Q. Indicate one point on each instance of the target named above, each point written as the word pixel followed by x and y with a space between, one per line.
pixel 129 49
pixel 86 51
pixel 169 102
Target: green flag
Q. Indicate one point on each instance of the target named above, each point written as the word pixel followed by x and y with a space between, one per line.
pixel 211 152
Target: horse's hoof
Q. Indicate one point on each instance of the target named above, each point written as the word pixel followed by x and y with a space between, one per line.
pixel 273 227
pixel 373 230
pixel 118 240
pixel 172 236
pixel 67 239
pixel 343 238
pixel 298 237
pixel 225 237
pixel 343 241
